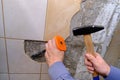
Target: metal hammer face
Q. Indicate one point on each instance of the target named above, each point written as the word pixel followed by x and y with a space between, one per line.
pixel 87 30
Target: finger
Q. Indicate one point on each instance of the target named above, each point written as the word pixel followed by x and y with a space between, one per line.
pixel 47 49
pixel 91 58
pixel 91 72
pixel 50 44
pixel 55 46
pixel 87 62
pixel 46 46
pixel 46 56
pixel 54 43
pixel 90 68
pixel 50 47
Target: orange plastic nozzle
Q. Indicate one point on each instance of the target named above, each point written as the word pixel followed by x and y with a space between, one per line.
pixel 60 43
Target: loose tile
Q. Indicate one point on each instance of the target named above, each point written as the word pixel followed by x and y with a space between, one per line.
pixel 25 19
pixel 3 59
pixel 18 61
pixel 24 76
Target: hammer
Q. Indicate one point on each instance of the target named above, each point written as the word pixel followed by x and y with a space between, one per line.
pixel 86 31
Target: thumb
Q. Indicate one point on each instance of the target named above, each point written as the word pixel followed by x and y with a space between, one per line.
pixel 90 58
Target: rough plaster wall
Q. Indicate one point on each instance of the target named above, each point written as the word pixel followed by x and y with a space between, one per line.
pixel 98 12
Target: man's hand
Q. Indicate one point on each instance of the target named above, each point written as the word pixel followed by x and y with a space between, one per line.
pixel 53 54
pixel 96 64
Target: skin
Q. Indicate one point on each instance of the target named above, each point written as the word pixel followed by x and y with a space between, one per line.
pixel 53 55
pixel 96 63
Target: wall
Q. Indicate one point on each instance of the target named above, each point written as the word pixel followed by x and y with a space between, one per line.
pixel 20 20
pixel 25 20
pixel 93 12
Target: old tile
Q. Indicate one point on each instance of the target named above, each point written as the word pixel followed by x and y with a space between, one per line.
pixel 44 68
pixel 18 61
pixel 4 77
pixel 3 59
pixel 24 76
pixel 45 77
pixel 25 19
pixel 1 22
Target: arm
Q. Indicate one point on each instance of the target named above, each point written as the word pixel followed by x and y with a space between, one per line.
pixel 114 74
pixel 98 64
pixel 58 72
pixel 54 59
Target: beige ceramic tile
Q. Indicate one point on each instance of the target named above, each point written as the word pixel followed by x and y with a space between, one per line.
pixel 25 19
pixel 18 61
pixel 3 59
pixel 24 76
pixel 44 68
pixel 1 22
pixel 45 77
pixel 4 77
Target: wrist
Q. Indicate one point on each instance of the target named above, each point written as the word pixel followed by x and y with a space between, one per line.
pixel 52 63
pixel 107 71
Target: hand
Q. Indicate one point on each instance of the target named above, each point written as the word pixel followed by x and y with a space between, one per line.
pixel 96 64
pixel 53 54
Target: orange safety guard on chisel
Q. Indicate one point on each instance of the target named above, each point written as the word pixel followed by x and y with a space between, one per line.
pixel 60 43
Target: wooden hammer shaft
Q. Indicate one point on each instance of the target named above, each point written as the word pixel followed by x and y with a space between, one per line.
pixel 90 48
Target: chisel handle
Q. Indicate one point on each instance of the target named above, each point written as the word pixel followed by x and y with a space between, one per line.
pixel 60 43
pixel 90 49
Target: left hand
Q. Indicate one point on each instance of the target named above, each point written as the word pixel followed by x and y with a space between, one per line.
pixel 53 54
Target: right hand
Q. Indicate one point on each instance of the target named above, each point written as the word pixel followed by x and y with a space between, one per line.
pixel 97 64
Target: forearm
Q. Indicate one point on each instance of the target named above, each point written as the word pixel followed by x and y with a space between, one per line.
pixel 58 72
pixel 114 74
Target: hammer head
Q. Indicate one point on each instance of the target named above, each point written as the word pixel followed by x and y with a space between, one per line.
pixel 87 30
